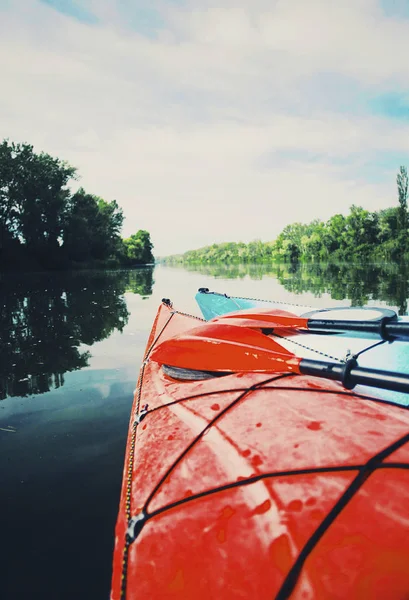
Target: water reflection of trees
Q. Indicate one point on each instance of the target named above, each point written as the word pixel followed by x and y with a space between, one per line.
pixel 44 318
pixel 360 283
pixel 140 281
pixel 231 271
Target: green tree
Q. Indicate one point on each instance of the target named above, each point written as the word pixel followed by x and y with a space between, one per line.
pixel 361 232
pixel 91 228
pixel 388 240
pixel 33 200
pixel 39 193
pixel 78 229
pixel 42 224
pixel 138 248
pixel 8 212
pixel 107 228
pixel 402 182
pixel 288 245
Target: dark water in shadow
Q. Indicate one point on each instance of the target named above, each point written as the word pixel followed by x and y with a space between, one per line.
pixel 70 350
pixel 66 393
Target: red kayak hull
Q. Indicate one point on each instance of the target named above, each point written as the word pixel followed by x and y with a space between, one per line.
pixel 260 486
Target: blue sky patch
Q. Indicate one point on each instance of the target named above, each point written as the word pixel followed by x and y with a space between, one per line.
pixel 138 16
pixel 141 17
pixel 395 8
pixel 392 105
pixel 378 166
pixel 72 8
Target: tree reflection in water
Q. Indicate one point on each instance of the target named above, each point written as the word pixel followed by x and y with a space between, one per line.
pixel 360 283
pixel 46 317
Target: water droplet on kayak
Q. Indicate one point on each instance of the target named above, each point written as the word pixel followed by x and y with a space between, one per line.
pixel 295 506
pixel 258 425
pixel 311 501
pixel 262 508
pixel 246 452
pixel 281 555
pixel 374 433
pixel 317 514
pixel 221 535
pixel 312 384
pixel 314 425
pixel 256 461
pixel 188 493
pixel 170 437
pixel 227 512
pixel 215 407
pixel 178 582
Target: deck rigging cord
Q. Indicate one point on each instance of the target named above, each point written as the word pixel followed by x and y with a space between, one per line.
pixel 363 471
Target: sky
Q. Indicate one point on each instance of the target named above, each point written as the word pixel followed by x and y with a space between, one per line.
pixel 213 121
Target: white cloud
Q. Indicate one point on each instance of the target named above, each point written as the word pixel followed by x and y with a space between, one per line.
pixel 192 129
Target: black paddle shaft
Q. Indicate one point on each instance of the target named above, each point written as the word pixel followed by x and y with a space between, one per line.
pixel 387 328
pixel 350 375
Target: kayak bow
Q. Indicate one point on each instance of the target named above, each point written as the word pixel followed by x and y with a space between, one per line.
pixel 254 484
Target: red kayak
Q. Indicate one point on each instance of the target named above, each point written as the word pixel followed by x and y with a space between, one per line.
pixel 257 483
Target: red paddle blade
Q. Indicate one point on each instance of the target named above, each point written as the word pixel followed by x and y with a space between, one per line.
pixel 222 347
pixel 263 319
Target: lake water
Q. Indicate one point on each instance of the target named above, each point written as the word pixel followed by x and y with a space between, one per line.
pixel 70 349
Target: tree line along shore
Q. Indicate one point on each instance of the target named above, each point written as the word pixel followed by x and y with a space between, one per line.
pixel 359 236
pixel 44 225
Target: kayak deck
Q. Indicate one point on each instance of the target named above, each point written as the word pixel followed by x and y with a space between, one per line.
pixel 260 486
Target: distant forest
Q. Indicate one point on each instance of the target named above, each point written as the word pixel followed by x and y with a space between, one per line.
pixel 360 236
pixel 45 226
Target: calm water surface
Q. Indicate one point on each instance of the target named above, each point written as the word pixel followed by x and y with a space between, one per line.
pixel 70 349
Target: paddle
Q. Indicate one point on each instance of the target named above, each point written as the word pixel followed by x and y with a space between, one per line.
pixel 222 347
pixel 387 326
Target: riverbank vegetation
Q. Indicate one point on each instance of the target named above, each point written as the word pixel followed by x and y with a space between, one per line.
pixel 359 236
pixel 43 225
